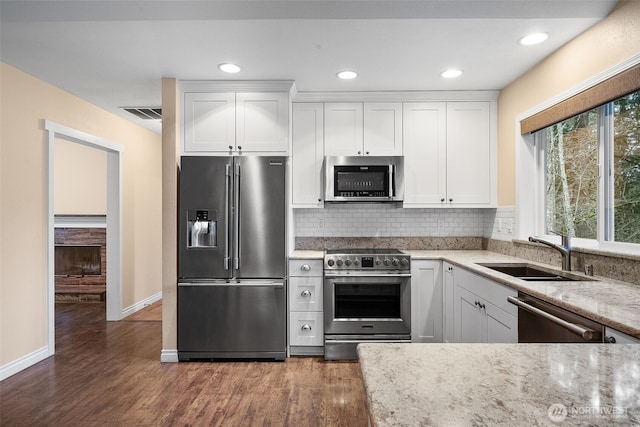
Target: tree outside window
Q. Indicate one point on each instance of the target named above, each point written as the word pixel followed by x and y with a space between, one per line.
pixel 571 176
pixel 626 168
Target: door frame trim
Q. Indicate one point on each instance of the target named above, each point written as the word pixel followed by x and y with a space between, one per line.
pixel 114 219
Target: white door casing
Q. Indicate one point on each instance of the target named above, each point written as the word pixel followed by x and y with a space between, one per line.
pixel 114 219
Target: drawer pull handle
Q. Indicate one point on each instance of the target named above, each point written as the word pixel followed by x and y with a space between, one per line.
pixel 306 327
pixel 305 267
pixel 305 293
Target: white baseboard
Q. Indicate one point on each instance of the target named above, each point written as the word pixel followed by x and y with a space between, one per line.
pixel 39 355
pixel 141 304
pixel 24 362
pixel 169 356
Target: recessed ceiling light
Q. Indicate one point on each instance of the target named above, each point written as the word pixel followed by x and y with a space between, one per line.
pixel 347 75
pixel 451 74
pixel 229 68
pixel 532 39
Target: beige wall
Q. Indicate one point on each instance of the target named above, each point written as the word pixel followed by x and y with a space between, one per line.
pixel 603 46
pixel 80 179
pixel 26 102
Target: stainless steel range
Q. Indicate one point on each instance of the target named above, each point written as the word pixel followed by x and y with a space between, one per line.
pixel 367 298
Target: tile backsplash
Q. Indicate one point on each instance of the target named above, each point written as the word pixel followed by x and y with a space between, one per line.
pixel 387 220
pixel 353 225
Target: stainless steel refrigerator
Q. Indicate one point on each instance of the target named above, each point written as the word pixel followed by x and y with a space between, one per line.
pixel 232 258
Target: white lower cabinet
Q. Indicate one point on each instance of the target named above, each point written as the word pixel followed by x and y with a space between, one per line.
pixel 617 337
pixel 481 311
pixel 305 329
pixel 306 315
pixel 449 302
pixel 469 317
pixel 426 301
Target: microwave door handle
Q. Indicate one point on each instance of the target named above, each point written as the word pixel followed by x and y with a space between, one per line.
pixel 391 175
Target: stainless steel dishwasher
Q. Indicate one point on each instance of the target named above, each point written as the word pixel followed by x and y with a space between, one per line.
pixel 542 322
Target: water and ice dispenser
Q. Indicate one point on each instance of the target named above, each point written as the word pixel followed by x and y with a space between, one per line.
pixel 202 229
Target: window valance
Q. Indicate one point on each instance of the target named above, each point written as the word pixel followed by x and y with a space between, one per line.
pixel 614 87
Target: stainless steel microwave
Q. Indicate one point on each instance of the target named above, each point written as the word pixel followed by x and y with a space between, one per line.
pixel 364 179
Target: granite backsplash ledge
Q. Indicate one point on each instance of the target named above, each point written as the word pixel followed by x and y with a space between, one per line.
pixel 625 268
pixel 406 243
pixel 621 267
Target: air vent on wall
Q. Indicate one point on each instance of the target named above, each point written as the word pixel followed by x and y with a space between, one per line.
pixel 145 113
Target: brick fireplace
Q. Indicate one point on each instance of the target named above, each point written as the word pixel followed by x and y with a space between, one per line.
pixel 81 254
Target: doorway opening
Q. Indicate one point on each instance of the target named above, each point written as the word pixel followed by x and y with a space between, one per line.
pixel 113 220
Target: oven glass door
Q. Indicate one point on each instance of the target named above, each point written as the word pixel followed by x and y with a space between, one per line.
pixel 367 301
pixel 367 305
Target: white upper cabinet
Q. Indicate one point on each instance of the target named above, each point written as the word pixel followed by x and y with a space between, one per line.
pixel 236 123
pixel 363 129
pixel 448 154
pixel 307 155
pixel 209 121
pixel 468 153
pixel 261 121
pixel 425 153
pixel 382 129
pixel 343 132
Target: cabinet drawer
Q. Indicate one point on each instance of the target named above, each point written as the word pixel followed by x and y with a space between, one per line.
pixel 502 327
pixel 305 293
pixel 306 328
pixel 305 267
pixel 490 291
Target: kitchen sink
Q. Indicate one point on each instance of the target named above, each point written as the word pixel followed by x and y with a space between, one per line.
pixel 531 273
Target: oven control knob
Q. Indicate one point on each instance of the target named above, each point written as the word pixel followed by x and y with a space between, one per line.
pixel 356 262
pixel 404 262
pixel 395 262
pixel 347 262
pixel 387 262
pixel 339 263
pixel 330 263
pixel 378 262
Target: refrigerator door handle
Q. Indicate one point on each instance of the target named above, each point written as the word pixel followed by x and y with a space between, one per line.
pixel 236 219
pixel 227 195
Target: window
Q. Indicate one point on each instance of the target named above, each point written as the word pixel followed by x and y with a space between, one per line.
pixel 592 173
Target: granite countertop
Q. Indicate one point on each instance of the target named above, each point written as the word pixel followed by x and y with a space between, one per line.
pixel 306 254
pixel 611 302
pixel 501 384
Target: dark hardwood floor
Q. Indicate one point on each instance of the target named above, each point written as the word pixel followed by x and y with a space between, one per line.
pixel 109 374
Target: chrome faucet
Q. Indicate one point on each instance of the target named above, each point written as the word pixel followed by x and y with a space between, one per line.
pixel 564 249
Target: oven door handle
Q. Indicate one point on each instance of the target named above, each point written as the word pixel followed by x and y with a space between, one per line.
pixel 365 274
pixel 367 341
pixel 585 333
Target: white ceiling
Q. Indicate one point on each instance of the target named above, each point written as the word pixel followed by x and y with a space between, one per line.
pixel 114 53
